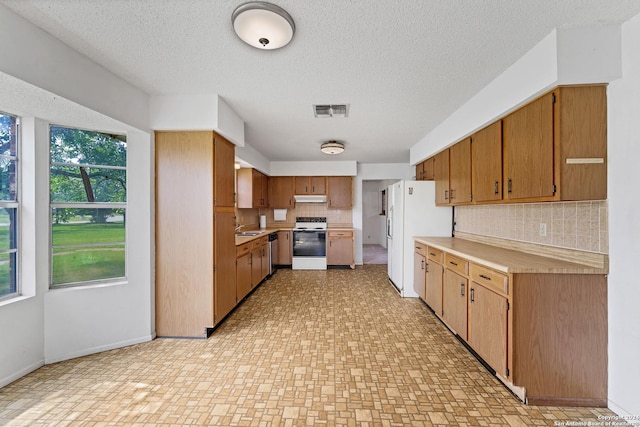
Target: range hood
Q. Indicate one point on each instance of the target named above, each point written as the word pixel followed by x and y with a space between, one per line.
pixel 303 198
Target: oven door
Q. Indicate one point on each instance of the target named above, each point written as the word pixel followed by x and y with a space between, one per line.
pixel 309 243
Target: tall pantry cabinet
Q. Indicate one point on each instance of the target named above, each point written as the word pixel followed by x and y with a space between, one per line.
pixel 195 239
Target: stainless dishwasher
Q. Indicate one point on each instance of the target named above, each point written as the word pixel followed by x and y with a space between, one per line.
pixel 273 252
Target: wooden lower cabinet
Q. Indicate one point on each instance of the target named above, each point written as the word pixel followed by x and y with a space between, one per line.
pixel 340 248
pixel 285 247
pixel 544 334
pixel 419 270
pixel 224 282
pixel 487 333
pixel 454 302
pixel 243 271
pixel 433 292
pixel 258 258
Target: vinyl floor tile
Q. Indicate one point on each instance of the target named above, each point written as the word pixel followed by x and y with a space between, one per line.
pixel 326 348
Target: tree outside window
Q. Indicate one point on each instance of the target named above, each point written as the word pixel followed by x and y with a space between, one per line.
pixel 88 194
pixel 8 206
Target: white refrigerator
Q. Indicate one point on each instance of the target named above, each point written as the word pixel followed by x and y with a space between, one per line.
pixel 411 212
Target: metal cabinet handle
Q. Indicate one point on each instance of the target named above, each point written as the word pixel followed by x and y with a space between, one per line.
pixel 482 276
pixel 471 295
pixel 495 187
pixel 453 263
pixel 509 186
pixel 451 194
pixel 461 289
pixel 426 264
pixel 432 254
pixel 421 264
pixel 446 194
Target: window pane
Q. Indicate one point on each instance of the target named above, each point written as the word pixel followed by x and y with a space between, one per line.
pixel 83 264
pixel 86 147
pixel 8 151
pixel 8 229
pixel 87 226
pixel 8 283
pixel 85 184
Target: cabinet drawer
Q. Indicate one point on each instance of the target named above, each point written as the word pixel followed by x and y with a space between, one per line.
pixel 420 248
pixel 259 242
pixel 243 250
pixel 491 279
pixel 434 254
pixel 456 264
pixel 336 233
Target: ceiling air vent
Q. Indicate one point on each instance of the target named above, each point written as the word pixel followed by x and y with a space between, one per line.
pixel 331 110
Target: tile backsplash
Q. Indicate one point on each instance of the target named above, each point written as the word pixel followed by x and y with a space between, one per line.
pixel 573 225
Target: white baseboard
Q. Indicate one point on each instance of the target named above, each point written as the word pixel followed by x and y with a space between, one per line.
pixel 98 349
pixel 21 373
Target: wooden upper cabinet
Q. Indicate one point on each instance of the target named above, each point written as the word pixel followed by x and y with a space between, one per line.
pixel 223 154
pixel 424 170
pixel 281 192
pixel 486 161
pixel 339 192
pixel 253 188
pixel 310 185
pixel 460 172
pixel 581 128
pixel 528 151
pixel 441 172
pixel 428 169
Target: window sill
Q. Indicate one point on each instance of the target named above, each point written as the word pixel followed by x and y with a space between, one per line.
pixel 80 286
pixel 15 299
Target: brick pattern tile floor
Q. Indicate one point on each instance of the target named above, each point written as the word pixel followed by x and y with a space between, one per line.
pixel 307 348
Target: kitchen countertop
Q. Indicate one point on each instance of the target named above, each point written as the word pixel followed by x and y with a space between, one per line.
pixel 506 260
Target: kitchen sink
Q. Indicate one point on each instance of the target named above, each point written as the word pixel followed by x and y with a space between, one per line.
pixel 248 233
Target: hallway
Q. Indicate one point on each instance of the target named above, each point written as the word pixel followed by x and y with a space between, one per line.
pixel 336 347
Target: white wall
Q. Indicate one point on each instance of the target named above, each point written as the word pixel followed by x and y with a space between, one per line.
pixel 373 171
pixel 624 227
pixel 88 319
pixel 41 77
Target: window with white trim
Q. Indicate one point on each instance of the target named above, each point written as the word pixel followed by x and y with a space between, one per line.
pixel 9 185
pixel 88 198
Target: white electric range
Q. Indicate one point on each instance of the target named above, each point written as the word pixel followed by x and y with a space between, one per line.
pixel 310 244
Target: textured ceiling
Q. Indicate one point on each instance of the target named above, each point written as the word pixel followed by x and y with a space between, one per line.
pixel 402 65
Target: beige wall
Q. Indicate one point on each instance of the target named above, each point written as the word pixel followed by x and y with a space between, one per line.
pixel 574 225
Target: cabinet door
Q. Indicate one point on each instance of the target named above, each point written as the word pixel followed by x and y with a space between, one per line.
pixel 486 161
pixel 184 237
pixel 243 276
pixel 224 283
pixel 433 292
pixel 454 302
pixel 488 326
pixel 301 185
pixel 528 151
pixel 318 185
pixel 420 171
pixel 460 172
pixel 264 190
pixel 284 247
pixel 339 192
pixel 419 274
pixel 264 271
pixel 281 192
pixel 441 173
pixel 256 266
pixel 427 169
pixel 340 248
pixel 224 187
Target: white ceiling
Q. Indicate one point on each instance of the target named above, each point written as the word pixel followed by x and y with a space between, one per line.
pixel 402 65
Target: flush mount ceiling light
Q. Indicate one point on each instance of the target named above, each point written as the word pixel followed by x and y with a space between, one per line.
pixel 263 25
pixel 332 147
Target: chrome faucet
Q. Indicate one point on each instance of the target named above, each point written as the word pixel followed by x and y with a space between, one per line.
pixel 238 227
